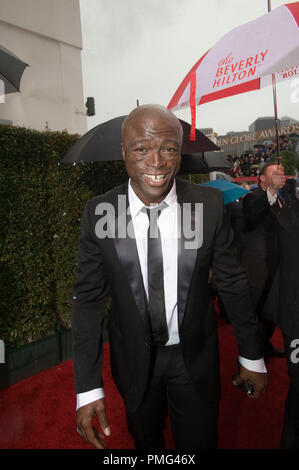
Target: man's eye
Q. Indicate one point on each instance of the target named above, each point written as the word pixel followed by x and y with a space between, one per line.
pixel 140 149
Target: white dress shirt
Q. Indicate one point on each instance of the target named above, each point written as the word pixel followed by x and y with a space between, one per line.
pixel 167 223
pixel 272 198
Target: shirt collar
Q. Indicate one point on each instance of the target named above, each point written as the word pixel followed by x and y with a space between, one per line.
pixel 136 204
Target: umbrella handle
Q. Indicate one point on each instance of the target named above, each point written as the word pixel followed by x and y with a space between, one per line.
pixel 193 106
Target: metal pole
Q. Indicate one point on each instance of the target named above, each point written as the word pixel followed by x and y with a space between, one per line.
pixel 275 104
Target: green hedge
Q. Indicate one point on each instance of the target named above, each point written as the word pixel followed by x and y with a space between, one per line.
pixel 41 202
pixel 288 161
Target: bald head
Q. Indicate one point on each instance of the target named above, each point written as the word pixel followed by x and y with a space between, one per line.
pixel 148 112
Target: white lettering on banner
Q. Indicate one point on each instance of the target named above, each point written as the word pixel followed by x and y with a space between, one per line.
pixel 267 133
pixel 222 142
pixel 259 135
pixel 229 72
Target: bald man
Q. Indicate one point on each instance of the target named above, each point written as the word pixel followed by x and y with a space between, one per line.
pixel 150 245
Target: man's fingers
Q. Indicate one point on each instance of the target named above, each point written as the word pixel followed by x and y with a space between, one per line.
pixel 85 418
pixel 259 392
pixel 96 439
pixel 103 421
pixel 256 395
pixel 92 435
pixel 237 380
pixel 258 380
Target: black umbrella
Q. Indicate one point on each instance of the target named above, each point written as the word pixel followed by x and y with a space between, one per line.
pixel 11 71
pixel 204 163
pixel 103 143
pixel 201 144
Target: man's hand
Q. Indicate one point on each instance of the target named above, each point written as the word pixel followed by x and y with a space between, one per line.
pixel 278 180
pixel 257 379
pixel 85 416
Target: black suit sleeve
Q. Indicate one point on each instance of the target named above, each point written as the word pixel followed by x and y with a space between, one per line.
pixel 90 295
pixel 255 207
pixel 233 287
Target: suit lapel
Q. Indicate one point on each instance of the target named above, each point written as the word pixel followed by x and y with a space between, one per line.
pixel 126 248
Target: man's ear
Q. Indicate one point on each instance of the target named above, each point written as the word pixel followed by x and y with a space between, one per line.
pixel 123 152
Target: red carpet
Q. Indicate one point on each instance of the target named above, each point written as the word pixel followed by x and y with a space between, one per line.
pixel 39 412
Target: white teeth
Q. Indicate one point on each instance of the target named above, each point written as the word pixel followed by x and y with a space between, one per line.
pixel 155 177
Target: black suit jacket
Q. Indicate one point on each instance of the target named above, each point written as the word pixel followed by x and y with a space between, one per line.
pixel 282 306
pixel 260 254
pixel 235 210
pixel 111 267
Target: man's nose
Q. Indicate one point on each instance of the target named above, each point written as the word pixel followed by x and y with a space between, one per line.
pixel 155 160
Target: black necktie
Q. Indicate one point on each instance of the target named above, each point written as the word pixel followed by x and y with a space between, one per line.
pixel 156 296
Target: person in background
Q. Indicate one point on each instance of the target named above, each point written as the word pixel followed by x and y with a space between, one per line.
pixel 282 307
pixel 288 192
pixel 260 255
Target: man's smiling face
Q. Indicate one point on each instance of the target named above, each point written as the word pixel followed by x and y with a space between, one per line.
pixel 151 144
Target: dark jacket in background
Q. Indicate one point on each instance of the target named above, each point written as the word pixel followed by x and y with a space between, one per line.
pixel 282 306
pixel 235 210
pixel 260 254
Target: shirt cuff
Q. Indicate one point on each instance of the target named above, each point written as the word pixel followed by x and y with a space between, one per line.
pixel 257 365
pixel 271 198
pixel 88 397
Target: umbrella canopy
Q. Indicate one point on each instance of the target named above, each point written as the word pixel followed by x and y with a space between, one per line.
pixel 103 143
pixel 11 71
pixel 230 191
pixel 219 175
pixel 201 143
pixel 243 60
pixel 204 163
